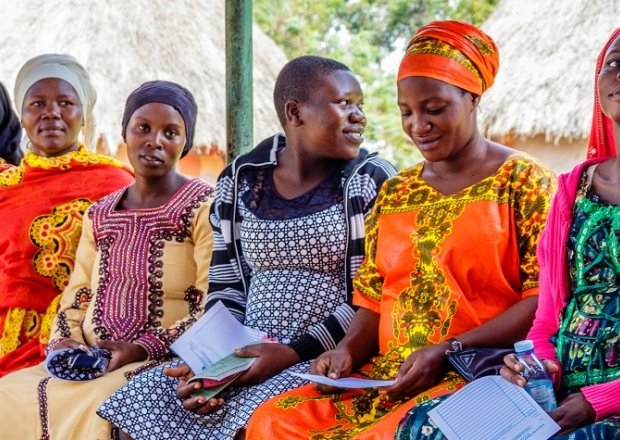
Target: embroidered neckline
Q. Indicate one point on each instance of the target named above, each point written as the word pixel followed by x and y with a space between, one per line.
pixel 118 195
pixel 512 161
pixel 129 302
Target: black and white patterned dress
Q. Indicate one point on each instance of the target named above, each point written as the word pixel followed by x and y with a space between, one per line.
pixel 296 251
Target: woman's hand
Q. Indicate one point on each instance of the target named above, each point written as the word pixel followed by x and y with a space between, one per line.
pixel 573 412
pixel 359 344
pixel 194 403
pixel 123 353
pixel 271 359
pixel 512 369
pixel 423 369
pixel 334 364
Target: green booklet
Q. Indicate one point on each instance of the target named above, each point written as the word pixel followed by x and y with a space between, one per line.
pixel 219 375
pixel 209 393
pixel 224 368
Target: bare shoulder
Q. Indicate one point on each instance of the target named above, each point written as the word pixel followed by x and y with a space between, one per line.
pixel 498 153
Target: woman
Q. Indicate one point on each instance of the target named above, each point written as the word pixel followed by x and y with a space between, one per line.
pixel 450 254
pixel 10 131
pixel 576 325
pixel 288 222
pixel 141 270
pixel 43 201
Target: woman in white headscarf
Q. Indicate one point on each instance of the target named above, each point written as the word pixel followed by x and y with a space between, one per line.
pixel 44 199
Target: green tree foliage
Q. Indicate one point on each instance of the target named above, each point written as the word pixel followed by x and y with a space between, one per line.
pixel 361 33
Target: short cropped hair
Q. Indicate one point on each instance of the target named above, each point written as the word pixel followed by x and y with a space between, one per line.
pixel 299 77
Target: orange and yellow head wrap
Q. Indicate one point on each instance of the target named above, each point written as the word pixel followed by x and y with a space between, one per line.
pixel 454 52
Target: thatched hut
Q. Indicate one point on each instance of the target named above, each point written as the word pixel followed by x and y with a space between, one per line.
pixel 124 43
pixel 543 96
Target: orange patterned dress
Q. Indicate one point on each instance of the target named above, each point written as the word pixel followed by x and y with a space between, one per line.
pixel 437 265
pixel 42 202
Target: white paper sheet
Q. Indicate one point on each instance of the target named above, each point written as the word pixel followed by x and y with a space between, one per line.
pixel 214 336
pixel 491 408
pixel 345 382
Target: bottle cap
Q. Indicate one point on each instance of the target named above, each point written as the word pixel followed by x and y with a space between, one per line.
pixel 526 345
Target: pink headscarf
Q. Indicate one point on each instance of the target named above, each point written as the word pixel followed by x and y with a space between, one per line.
pixel 602 142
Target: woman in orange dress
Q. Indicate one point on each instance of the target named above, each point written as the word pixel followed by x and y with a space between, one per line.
pixel 450 253
pixel 43 199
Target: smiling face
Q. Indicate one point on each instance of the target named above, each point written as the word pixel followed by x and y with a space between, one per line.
pixel 609 82
pixel 155 139
pixel 332 118
pixel 438 117
pixel 52 117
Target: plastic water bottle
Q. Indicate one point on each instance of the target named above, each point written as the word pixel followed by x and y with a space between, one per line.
pixel 539 384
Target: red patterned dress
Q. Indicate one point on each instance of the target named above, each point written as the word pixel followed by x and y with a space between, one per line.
pixel 42 202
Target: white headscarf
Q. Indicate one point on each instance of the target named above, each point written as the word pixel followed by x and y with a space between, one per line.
pixel 65 67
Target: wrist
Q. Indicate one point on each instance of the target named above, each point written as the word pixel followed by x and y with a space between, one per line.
pixel 139 352
pixel 292 356
pixel 306 347
pixel 453 346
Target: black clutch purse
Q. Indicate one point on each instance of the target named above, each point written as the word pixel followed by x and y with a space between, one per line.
pixel 473 363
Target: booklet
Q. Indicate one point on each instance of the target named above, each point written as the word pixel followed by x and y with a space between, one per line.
pixel 491 408
pixel 345 382
pixel 219 375
pixel 210 392
pixel 224 368
pixel 208 348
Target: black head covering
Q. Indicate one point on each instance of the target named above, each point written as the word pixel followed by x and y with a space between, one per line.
pixel 165 92
pixel 10 130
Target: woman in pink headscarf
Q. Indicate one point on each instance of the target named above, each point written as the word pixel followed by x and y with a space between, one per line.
pixel 578 318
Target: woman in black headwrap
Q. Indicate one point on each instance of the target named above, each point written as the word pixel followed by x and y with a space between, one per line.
pixel 141 270
pixel 10 131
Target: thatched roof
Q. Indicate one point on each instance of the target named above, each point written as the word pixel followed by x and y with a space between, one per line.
pixel 548 51
pixel 123 43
